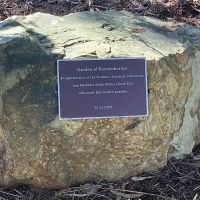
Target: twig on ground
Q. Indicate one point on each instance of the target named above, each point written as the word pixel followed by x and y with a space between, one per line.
pixel 142 193
pixel 9 194
pixel 198 10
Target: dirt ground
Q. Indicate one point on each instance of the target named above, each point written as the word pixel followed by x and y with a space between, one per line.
pixel 180 179
pixel 187 11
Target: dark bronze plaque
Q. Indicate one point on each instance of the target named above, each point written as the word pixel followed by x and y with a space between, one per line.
pixel 102 88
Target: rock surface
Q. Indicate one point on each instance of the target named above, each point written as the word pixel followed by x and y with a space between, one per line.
pixel 38 149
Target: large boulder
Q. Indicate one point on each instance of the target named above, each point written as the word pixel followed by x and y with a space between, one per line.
pixel 37 148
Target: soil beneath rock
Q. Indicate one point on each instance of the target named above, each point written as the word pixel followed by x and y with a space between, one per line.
pixel 187 11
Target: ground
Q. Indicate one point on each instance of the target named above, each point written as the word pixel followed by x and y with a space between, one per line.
pixel 187 11
pixel 180 179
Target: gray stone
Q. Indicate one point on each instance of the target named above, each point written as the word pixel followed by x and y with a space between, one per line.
pixel 38 149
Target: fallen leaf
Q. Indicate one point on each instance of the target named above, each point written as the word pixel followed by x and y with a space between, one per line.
pixel 139 178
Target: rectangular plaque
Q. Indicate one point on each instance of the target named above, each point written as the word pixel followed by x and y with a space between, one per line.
pixel 102 88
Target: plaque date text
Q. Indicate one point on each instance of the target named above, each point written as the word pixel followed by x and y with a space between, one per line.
pixel 103 107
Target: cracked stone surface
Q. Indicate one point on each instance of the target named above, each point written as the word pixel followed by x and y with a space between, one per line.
pixel 38 149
